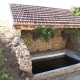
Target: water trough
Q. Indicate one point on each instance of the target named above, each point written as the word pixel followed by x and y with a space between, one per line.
pixel 51 64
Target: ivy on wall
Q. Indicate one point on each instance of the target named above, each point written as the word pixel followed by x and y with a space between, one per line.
pixel 45 33
pixel 70 33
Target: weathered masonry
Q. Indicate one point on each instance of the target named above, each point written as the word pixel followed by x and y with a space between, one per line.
pixel 25 18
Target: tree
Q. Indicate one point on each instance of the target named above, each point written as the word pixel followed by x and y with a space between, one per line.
pixel 75 10
pixel 78 11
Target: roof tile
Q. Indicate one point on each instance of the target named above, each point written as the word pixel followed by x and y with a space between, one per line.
pixel 37 15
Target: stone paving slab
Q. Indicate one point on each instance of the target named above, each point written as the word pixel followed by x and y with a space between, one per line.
pixel 70 76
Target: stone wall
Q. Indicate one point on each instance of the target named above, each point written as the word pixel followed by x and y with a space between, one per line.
pixel 74 44
pixel 40 45
pixel 23 56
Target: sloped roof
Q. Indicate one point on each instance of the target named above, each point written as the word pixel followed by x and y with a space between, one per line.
pixel 37 15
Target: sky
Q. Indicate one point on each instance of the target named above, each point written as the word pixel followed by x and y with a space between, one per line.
pixel 65 4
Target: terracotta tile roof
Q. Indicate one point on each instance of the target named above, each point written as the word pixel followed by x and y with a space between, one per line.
pixel 36 15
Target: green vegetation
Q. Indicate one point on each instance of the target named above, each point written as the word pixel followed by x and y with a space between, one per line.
pixel 76 10
pixel 3 72
pixel 73 34
pixel 45 33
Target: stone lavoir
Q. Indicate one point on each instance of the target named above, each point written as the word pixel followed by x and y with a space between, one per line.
pixel 30 53
pixel 52 63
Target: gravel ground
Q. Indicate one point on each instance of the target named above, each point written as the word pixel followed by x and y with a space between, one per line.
pixel 11 63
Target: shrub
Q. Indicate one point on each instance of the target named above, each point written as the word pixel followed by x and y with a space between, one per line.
pixel 73 34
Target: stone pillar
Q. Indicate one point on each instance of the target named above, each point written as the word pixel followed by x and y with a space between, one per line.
pixel 16 32
pixel 23 56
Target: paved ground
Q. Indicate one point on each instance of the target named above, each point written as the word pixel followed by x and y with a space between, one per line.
pixel 70 76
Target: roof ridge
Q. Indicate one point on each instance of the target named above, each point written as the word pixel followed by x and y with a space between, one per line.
pixel 36 6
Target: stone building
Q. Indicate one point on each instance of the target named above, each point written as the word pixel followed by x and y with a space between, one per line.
pixel 27 17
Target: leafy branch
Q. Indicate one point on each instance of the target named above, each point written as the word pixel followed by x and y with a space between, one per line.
pixel 70 33
pixel 45 33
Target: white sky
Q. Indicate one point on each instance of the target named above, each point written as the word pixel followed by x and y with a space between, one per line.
pixel 4 13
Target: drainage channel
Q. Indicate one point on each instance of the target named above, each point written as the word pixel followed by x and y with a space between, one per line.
pixel 54 65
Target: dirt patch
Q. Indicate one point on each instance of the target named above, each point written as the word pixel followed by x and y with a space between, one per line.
pixel 11 63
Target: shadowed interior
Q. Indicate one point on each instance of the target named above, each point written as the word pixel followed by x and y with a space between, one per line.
pixel 42 65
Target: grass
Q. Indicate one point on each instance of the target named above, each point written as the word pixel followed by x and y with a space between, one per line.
pixel 4 75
